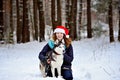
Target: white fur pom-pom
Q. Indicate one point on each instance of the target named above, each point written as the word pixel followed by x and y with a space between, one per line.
pixel 67 36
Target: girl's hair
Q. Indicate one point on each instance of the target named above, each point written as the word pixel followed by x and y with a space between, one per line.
pixel 67 40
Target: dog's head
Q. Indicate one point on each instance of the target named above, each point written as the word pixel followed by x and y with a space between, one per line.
pixel 60 49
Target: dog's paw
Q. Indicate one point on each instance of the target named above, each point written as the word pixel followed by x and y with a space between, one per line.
pixel 60 77
pixel 44 76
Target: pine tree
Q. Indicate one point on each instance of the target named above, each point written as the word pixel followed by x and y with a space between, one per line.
pixel 80 20
pixel 19 4
pixel 41 21
pixel 71 16
pixel 89 29
pixel 119 22
pixel 6 22
pixel 25 28
pixel 1 21
pixel 56 13
pixel 110 18
pixel 35 6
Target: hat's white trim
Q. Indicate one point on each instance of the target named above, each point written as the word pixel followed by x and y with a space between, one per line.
pixel 59 30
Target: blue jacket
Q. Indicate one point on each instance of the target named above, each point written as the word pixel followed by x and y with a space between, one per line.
pixel 68 55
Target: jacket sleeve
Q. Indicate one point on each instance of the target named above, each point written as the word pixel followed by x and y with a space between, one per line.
pixel 43 52
pixel 68 55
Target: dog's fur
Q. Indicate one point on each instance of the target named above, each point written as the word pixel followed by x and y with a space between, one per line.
pixel 56 57
pixel 42 69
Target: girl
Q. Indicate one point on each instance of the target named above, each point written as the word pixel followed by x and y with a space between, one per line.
pixel 60 34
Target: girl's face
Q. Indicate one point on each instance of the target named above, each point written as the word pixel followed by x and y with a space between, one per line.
pixel 59 35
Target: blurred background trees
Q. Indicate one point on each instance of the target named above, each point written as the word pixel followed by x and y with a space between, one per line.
pixel 22 21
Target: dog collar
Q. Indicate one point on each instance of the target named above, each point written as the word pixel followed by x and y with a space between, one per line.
pixel 56 52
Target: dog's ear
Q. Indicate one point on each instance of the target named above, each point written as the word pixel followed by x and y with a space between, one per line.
pixel 63 41
pixel 56 42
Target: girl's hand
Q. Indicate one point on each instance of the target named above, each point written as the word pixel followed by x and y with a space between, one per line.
pixel 48 61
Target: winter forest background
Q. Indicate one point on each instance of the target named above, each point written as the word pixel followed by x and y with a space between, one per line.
pixel 23 21
pixel 27 25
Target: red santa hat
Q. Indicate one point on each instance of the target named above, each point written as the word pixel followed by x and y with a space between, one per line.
pixel 63 30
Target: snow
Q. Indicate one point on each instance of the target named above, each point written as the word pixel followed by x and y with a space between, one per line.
pixel 94 59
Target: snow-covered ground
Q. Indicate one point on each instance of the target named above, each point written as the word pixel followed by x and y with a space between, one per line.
pixel 94 59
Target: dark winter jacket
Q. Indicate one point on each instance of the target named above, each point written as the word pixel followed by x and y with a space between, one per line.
pixel 68 55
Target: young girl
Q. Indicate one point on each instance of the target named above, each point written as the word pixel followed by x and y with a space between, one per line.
pixel 60 34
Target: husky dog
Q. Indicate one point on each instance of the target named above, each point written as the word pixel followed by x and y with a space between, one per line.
pixel 56 58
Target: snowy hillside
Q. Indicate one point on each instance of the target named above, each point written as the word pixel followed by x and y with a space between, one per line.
pixel 94 59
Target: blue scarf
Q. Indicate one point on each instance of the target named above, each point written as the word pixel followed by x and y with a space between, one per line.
pixel 51 44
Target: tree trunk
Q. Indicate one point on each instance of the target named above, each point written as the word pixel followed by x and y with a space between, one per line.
pixel 25 29
pixel 53 14
pixel 110 15
pixel 41 21
pixel 80 20
pixel 19 4
pixel 59 12
pixel 119 23
pixel 47 12
pixel 14 20
pixel 89 30
pixel 71 19
pixel 11 23
pixel 35 18
pixel 6 15
pixel 1 20
pixel 56 13
pixel 71 16
pixel 75 19
pixel 67 13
